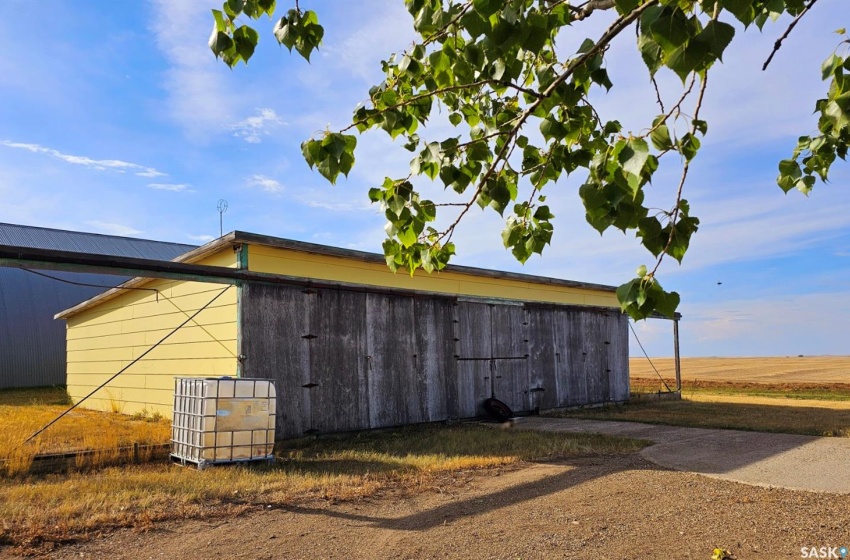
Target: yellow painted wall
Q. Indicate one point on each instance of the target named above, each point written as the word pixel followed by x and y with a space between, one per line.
pixel 294 263
pixel 109 336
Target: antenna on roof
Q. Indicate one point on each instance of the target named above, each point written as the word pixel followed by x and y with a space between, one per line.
pixel 222 208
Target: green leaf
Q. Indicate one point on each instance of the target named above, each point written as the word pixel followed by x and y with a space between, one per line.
pixel 245 39
pixel 689 58
pixel 220 23
pixel 586 46
pixel 233 7
pixel 641 297
pixel 251 8
pixel 651 53
pixel 830 65
pixel 700 126
pixel 789 174
pixel 688 146
pixel 666 303
pixel 487 7
pixel 440 61
pixel 285 34
pixel 538 33
pixel 670 30
pixel 741 9
pixel 717 35
pixel 219 42
pixel 626 6
pixel 475 24
pixel 267 6
pixel 660 136
pixel 633 157
pixel 407 237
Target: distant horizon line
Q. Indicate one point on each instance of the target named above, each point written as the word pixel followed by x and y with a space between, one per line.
pixel 743 357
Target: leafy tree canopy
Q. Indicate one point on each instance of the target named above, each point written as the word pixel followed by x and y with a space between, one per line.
pixel 523 118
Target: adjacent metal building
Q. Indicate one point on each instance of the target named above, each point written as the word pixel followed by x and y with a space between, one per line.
pixel 32 343
pixel 350 344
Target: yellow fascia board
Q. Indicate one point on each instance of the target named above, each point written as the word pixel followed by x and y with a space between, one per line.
pixel 352 270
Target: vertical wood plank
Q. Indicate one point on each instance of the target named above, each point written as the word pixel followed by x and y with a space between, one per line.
pixel 618 361
pixel 510 340
pixel 395 391
pixel 274 318
pixel 474 341
pixel 543 361
pixel 572 334
pixel 340 402
pixel 435 362
pixel 591 356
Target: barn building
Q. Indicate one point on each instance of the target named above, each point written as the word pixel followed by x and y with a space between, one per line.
pixel 349 344
pixel 32 344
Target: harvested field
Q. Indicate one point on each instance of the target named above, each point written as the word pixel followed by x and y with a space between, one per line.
pixel 808 369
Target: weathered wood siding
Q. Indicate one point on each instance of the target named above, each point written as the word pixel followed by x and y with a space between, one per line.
pixel 347 360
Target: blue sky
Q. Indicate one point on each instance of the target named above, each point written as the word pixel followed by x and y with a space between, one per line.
pixel 117 119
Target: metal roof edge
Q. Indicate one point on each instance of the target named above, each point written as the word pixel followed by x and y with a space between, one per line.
pixel 94 234
pixel 237 237
pixel 314 248
pixel 194 255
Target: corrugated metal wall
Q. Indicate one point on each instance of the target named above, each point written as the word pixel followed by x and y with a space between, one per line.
pixel 346 360
pixel 32 343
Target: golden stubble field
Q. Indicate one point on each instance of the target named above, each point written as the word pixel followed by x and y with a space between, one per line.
pixel 773 370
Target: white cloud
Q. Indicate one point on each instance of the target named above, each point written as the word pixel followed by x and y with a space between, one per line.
pixel 116 165
pixel 265 183
pixel 333 206
pixel 359 52
pixel 198 98
pixel 201 238
pixel 253 128
pixel 178 187
pixel 113 228
pixel 151 173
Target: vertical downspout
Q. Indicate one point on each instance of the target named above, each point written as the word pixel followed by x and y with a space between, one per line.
pixel 676 354
pixel 241 264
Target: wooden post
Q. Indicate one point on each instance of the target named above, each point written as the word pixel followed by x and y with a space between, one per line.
pixel 676 355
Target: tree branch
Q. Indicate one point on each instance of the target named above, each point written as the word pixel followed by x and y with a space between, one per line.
pixel 445 29
pixel 507 147
pixel 778 44
pixel 674 217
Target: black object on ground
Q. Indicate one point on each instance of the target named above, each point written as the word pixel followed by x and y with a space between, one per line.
pixel 498 410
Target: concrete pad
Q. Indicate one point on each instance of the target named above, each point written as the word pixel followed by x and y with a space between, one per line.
pixel 796 462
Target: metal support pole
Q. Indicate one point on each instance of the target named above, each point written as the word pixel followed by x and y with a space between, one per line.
pixel 677 361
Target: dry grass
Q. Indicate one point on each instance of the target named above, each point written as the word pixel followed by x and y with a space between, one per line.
pixel 39 510
pixel 23 411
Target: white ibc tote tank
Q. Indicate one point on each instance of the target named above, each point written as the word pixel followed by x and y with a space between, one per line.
pixel 223 420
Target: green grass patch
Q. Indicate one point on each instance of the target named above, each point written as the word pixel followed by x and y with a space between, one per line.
pixel 801 391
pixel 816 421
pixel 35 396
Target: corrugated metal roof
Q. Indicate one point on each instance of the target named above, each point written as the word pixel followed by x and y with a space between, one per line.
pixel 80 242
pixel 32 343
